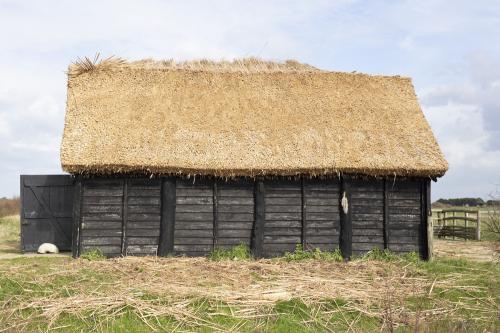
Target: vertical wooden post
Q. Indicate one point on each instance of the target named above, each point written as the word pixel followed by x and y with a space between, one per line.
pixel 466 231
pixel 304 220
pixel 21 212
pixel 167 222
pixel 77 207
pixel 124 216
pixel 216 214
pixel 345 220
pixel 386 214
pixel 259 217
pixel 453 235
pixel 478 228
pixel 427 227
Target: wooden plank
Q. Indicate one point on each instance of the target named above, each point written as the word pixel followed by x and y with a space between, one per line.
pixel 423 222
pixel 190 248
pixel 282 231
pixel 367 195
pixel 88 241
pixel 202 208
pixel 324 239
pixel 386 214
pixel 238 233
pixel 103 192
pixel 46 180
pixel 356 209
pixel 321 216
pixel 101 201
pixel 147 217
pixel 367 246
pixel 404 203
pixel 369 232
pixel 102 209
pixel 107 250
pixel 281 239
pixel 404 195
pixel 194 233
pixel 101 217
pixel 236 208
pixel 101 225
pixel 283 224
pixel 236 225
pixel 236 201
pixel 283 216
pixel 193 241
pixel 124 216
pixel 376 239
pixel 405 217
pixel 243 217
pixel 215 213
pixel 195 216
pixel 284 201
pixel 230 242
pixel 345 220
pixel 101 233
pixel 142 240
pixel 325 209
pixel 77 205
pixel 260 208
pixel 167 219
pixel 143 232
pixel 194 200
pixel 142 250
pixel 304 215
pixel 187 225
pixel 194 192
pixel 144 209
pixel 283 209
pixel 368 217
pixel 144 200
pixel 144 192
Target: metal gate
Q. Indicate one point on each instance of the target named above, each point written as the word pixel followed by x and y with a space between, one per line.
pixel 46 211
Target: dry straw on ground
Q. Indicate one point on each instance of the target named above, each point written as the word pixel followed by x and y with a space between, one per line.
pixel 250 289
pixel 247 117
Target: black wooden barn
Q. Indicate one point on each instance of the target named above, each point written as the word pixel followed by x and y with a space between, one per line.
pixel 181 158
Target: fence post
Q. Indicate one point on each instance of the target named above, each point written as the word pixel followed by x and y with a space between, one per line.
pixel 466 233
pixel 478 228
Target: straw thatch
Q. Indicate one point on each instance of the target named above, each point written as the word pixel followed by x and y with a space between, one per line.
pixel 243 118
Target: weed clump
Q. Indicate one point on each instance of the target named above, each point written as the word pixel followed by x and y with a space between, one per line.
pixel 93 255
pixel 301 254
pixel 239 252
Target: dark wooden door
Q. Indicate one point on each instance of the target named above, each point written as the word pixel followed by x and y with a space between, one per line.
pixel 46 211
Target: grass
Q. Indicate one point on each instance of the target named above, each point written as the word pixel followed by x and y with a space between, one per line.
pixel 238 252
pixel 9 234
pixel 304 291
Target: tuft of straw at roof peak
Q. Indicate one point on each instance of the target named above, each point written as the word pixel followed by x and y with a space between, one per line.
pixel 245 65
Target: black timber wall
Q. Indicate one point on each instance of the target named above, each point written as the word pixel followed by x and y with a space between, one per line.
pixel 132 216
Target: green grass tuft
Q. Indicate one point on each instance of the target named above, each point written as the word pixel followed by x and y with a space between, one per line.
pixel 93 255
pixel 239 252
pixel 301 254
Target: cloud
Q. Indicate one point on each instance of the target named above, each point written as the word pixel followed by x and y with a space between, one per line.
pixel 451 57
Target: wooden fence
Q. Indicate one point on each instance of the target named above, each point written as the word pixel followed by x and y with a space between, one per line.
pixel 457 223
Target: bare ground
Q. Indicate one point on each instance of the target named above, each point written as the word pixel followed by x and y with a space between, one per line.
pixel 470 250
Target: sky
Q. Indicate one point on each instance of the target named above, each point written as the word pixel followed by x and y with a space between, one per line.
pixel 451 49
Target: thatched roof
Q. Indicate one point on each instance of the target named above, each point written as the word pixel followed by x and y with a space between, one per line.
pixel 243 118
